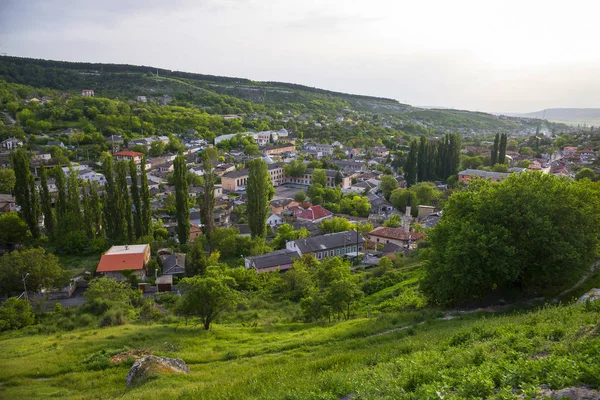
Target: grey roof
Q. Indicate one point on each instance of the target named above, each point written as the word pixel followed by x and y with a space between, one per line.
pixel 329 241
pixel 173 264
pixel 390 248
pixel 484 174
pixel 273 259
pixel 429 221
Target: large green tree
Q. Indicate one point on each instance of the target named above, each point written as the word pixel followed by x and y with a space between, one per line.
pixel 530 234
pixel 410 166
pixel 136 199
pixel 495 148
pixel 124 199
pixel 25 191
pixel 502 149
pixel 44 271
pixel 260 191
pixel 181 199
pixel 387 185
pixel 206 199
pixel 207 297
pixel 46 203
pixel 7 180
pixel 145 208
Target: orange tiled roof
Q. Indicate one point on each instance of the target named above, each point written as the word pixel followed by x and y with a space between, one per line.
pixel 120 262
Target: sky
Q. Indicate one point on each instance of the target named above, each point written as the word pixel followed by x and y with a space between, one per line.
pixel 485 55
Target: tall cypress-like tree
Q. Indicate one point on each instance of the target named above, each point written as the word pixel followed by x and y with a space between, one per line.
pixel 73 200
pixel 260 191
pixel 136 199
pixel 410 166
pixel 125 200
pixel 96 210
pixel 207 198
pixel 495 148
pixel 25 190
pixel 114 213
pixel 46 203
pixel 146 210
pixel 61 195
pixel 181 199
pixel 453 154
pixel 502 149
pixel 422 159
pixel 88 218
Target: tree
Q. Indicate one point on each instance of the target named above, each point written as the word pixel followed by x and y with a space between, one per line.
pixel 300 197
pixel 495 149
pixel 399 198
pixel 251 149
pixel 502 149
pixel 335 224
pixel 410 167
pixel 393 221
pixel 25 192
pixel 7 180
pixel 43 269
pixel 474 162
pixel 46 203
pixel 531 233
pixel 114 214
pixel 338 178
pixel 285 233
pixel 423 158
pixel 13 229
pixel 260 191
pixel 207 197
pixel 342 293
pixel 181 199
pixel 61 195
pixel 15 314
pixel 157 148
pixel 319 177
pixel 207 297
pixel 500 168
pixel 196 261
pixel 136 199
pixel 108 289
pixel 586 173
pixel 145 208
pixel 124 199
pixel 295 168
pixel 387 185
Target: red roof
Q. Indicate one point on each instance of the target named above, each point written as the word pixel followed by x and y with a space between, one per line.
pixel 314 213
pixel 396 233
pixel 129 153
pixel 121 262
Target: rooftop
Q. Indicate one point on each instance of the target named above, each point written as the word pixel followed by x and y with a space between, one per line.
pixel 396 234
pixel 329 241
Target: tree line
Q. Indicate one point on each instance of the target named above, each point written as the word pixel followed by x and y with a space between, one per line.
pixel 429 160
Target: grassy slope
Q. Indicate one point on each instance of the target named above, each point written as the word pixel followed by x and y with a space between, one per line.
pixel 475 354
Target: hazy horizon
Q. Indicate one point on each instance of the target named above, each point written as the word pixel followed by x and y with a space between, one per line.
pixel 510 57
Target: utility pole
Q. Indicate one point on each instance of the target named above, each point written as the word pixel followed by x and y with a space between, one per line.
pixel 25 286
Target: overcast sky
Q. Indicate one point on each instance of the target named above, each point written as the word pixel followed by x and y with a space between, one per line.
pixel 511 56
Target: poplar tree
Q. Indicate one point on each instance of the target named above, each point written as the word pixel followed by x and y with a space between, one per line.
pixel 502 149
pixel 124 199
pixel 61 188
pixel 260 191
pixel 25 193
pixel 145 209
pixel 88 219
pixel 207 198
pixel 410 167
pixel 46 203
pixel 495 148
pixel 181 199
pixel 422 159
pixel 96 210
pixel 73 200
pixel 137 201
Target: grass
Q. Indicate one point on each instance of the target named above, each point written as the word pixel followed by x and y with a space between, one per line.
pixel 473 356
pixel 77 264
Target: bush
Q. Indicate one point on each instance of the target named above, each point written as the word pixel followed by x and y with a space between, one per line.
pixel 15 314
pixel 114 317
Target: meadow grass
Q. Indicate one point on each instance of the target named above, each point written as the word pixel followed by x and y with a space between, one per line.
pixel 472 356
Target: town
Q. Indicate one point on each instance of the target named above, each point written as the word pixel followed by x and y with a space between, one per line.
pixel 153 208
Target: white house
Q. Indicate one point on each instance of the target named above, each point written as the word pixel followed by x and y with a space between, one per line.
pixel 274 220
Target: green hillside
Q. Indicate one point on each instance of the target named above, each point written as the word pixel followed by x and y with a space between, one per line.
pixel 225 95
pixel 470 356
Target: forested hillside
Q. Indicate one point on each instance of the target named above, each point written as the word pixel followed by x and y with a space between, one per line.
pixel 225 95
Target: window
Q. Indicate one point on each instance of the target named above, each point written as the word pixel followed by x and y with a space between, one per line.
pixel 319 255
pixel 331 253
pixel 344 250
pixel 337 252
pixel 353 248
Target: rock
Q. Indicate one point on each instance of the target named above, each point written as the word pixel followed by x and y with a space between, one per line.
pixel 580 393
pixel 592 295
pixel 151 366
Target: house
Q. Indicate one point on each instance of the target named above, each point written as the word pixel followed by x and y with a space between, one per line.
pixel 431 220
pixel 379 205
pixel 277 206
pixel 173 264
pixel 11 143
pixel 129 155
pixel 121 258
pixel 279 149
pixel 279 260
pixel 7 203
pixel 164 283
pixel 274 220
pixel 468 174
pixel 146 142
pixel 398 236
pixel 164 100
pixel 330 245
pixel 322 150
pixel 264 137
pixel 195 231
pixel 314 214
pixel 235 180
pixel 115 139
pixel 569 152
pixel 87 93
pixel 142 99
pixel 379 151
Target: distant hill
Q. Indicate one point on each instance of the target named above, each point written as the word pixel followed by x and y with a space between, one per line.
pixel 567 115
pixel 226 95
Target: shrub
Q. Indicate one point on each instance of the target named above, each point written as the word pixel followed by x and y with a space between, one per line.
pixel 15 314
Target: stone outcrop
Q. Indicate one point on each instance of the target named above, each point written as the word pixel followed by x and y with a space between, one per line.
pixel 152 366
pixel 592 295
